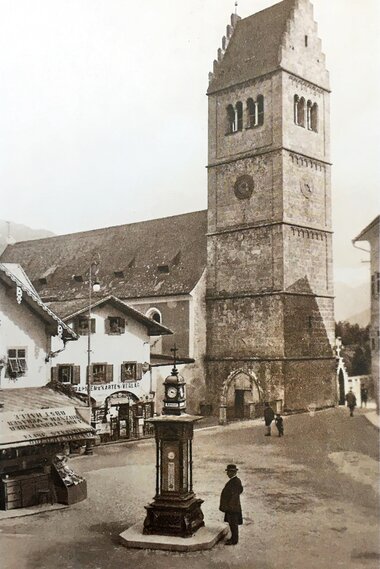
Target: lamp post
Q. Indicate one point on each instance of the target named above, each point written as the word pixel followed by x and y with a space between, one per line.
pixel 92 287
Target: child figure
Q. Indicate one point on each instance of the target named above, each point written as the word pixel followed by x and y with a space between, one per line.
pixel 279 424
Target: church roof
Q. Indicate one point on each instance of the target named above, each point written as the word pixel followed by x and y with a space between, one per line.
pixel 254 47
pixel 150 258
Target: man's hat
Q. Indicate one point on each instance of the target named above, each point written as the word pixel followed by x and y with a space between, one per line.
pixel 231 467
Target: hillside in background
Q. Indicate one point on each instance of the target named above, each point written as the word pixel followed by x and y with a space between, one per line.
pixel 19 232
pixel 352 304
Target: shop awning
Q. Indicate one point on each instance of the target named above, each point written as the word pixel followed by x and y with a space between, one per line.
pixel 42 426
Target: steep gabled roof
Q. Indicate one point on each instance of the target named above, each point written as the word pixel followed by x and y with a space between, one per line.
pixel 254 47
pixel 71 309
pixel 11 274
pixel 151 258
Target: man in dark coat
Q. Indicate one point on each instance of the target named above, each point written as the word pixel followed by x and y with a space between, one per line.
pixel 268 418
pixel 351 401
pixel 230 503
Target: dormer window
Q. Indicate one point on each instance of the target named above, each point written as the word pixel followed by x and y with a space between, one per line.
pixel 78 278
pixel 42 281
pixel 163 269
pixel 119 274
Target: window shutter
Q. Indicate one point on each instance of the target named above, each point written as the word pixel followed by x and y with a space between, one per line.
pixel 76 375
pixel 138 371
pixel 122 325
pixel 107 325
pixel 122 373
pixel 109 373
pixel 54 373
pixel 92 325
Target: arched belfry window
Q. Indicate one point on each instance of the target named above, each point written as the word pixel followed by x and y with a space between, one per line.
pixel 314 117
pixel 296 100
pixel 230 119
pixel 239 115
pixel 251 112
pixel 308 114
pixel 299 110
pixel 255 112
pixel 260 110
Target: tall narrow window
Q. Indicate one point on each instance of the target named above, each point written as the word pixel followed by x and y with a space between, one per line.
pixel 299 110
pixel 306 41
pixel 230 119
pixel 260 110
pixel 296 100
pixel 252 115
pixel 239 116
pixel 308 114
pixel 314 117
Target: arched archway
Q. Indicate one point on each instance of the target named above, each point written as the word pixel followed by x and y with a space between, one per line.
pixel 241 393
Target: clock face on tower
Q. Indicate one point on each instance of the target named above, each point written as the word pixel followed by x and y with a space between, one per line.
pixel 243 187
pixel 171 392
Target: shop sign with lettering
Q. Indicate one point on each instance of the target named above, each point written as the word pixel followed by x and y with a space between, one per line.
pixel 108 386
pixel 35 426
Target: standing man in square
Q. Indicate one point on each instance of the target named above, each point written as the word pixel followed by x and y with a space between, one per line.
pixel 230 503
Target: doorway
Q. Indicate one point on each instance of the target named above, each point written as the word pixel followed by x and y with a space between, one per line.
pixel 239 404
pixel 342 394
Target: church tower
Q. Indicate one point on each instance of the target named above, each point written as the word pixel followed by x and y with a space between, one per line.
pixel 270 321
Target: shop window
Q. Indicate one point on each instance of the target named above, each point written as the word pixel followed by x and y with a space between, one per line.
pixel 102 373
pixel 67 373
pixel 81 326
pixel 131 371
pixel 16 362
pixel 115 325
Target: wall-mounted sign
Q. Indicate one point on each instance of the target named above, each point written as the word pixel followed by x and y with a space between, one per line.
pixel 108 386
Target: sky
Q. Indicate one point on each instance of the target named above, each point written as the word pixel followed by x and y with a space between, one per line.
pixel 103 112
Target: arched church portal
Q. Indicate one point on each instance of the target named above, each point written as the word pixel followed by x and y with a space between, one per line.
pixel 241 394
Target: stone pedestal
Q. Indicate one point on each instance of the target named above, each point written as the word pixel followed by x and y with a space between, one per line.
pixel 179 517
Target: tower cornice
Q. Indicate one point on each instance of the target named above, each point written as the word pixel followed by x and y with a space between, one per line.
pixel 250 154
pixel 263 77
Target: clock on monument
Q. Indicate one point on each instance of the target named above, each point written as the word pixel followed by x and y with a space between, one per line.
pixel 174 399
pixel 175 509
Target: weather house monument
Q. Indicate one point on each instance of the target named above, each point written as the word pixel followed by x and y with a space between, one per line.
pixel 174 520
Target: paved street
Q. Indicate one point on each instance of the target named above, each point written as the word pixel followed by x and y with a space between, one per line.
pixel 310 501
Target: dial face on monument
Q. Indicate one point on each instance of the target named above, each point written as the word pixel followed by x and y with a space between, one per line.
pixel 306 189
pixel 243 187
pixel 171 392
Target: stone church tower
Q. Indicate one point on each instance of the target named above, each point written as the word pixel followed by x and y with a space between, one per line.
pixel 270 321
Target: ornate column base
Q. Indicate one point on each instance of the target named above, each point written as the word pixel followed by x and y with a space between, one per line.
pixel 178 518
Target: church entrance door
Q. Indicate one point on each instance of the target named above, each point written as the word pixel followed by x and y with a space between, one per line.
pixel 239 404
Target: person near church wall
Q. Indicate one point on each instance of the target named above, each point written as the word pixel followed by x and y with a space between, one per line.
pixel 268 418
pixel 230 503
pixel 351 401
